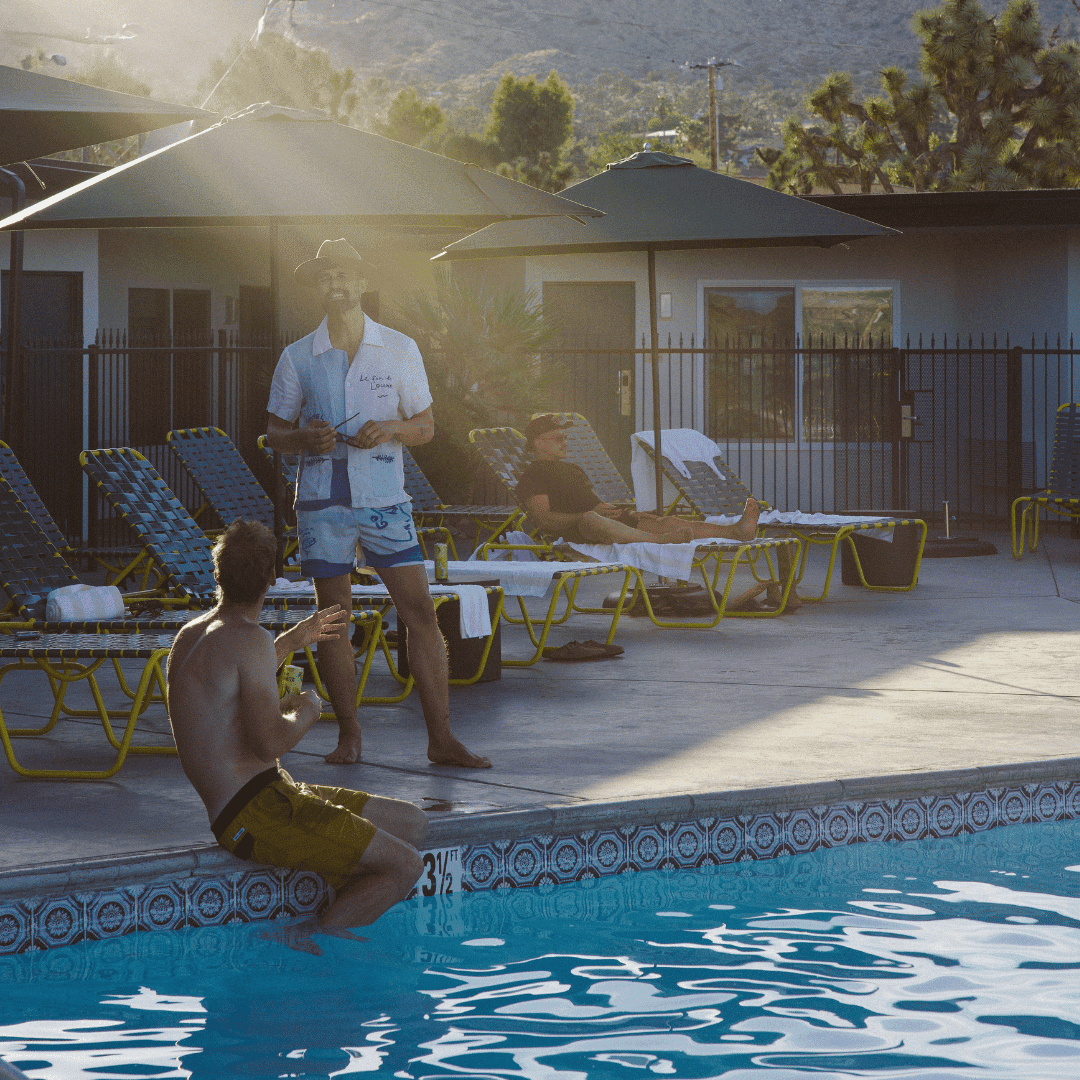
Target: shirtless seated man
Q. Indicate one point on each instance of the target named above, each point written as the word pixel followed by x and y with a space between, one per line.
pixel 230 729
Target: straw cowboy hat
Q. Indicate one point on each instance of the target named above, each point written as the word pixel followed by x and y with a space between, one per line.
pixel 333 253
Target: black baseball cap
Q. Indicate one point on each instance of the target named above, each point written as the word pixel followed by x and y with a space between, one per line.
pixel 542 424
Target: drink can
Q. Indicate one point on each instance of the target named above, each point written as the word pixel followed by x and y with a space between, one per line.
pixel 291 681
pixel 442 572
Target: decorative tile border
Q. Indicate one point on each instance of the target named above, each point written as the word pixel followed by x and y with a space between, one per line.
pixel 524 862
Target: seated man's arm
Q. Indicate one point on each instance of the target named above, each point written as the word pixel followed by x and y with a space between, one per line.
pixel 322 626
pixel 539 509
pixel 271 726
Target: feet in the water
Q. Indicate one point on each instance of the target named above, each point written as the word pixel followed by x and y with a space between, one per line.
pixel 347 751
pixel 451 751
pixel 746 527
pixel 297 935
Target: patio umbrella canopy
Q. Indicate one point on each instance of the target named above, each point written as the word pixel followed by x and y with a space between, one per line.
pixel 42 115
pixel 657 202
pixel 272 165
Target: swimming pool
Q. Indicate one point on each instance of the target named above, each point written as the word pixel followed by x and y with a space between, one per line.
pixel 925 959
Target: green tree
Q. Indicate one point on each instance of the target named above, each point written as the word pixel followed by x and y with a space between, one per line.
pixel 528 118
pixel 546 172
pixel 996 109
pixel 410 119
pixel 612 146
pixel 481 349
pixel 276 70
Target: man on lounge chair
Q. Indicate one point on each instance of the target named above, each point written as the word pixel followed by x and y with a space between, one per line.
pixel 346 398
pixel 558 496
pixel 230 729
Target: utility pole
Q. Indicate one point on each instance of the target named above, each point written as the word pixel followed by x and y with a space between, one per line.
pixel 711 65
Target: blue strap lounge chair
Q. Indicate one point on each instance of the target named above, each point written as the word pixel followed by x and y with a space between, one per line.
pixel 708 493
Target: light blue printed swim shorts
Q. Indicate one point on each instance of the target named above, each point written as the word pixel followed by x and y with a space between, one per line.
pixel 328 538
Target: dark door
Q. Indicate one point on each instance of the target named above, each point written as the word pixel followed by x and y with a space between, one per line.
pixel 46 388
pixel 192 367
pixel 594 341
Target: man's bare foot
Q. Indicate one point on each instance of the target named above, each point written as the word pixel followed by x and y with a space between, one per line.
pixel 451 751
pixel 746 527
pixel 298 935
pixel 347 751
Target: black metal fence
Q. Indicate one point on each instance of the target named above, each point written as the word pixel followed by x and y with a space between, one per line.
pixel 840 425
pixel 66 397
pixel 814 426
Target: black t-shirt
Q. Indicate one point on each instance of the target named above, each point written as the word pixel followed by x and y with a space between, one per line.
pixel 565 484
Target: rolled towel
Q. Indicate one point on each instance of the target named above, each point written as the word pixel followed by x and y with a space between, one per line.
pixel 82 603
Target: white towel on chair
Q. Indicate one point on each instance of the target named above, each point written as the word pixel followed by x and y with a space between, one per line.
pixel 474 619
pixel 678 445
pixel 667 560
pixel 79 603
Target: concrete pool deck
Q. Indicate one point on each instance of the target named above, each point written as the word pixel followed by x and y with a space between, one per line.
pixel 957 682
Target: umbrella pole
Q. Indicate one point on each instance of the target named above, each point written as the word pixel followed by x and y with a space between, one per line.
pixel 659 474
pixel 279 521
pixel 13 315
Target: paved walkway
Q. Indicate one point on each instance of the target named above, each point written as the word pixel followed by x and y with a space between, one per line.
pixel 976 667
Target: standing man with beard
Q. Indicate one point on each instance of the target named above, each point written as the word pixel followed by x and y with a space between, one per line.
pixel 346 398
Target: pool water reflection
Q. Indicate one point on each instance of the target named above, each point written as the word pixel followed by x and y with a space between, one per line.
pixel 935 959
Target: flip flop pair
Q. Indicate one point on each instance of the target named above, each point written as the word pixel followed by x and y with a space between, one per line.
pixel 582 650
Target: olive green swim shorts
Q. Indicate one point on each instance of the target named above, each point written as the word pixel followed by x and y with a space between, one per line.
pixel 274 820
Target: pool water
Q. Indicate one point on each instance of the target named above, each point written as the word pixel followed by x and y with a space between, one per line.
pixel 942 958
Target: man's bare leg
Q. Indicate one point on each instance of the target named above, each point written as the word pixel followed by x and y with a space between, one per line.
pixel 408 588
pixel 684 531
pixel 337 666
pixel 384 876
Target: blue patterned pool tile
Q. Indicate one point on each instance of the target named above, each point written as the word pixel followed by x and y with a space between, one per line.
pixel 727 839
pixel 303 893
pixel 688 842
pixel 525 862
pixel 210 902
pixel 259 895
pixel 59 921
pixel 1014 806
pixel 1072 799
pixel 111 914
pixel 481 866
pixel 16 927
pixel 980 811
pixel 764 835
pixel 1047 803
pixel 875 821
pixel 909 820
pixel 646 847
pixel 162 906
pixel 945 816
pixel 840 825
pixel 802 829
pixel 608 851
pixel 566 858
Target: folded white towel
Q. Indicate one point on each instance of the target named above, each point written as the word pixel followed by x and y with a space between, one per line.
pixel 678 445
pixel 809 521
pixel 79 603
pixel 666 560
pixel 474 619
pixel 512 537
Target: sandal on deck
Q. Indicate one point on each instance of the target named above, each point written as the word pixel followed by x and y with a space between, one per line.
pixel 576 650
pixel 611 650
